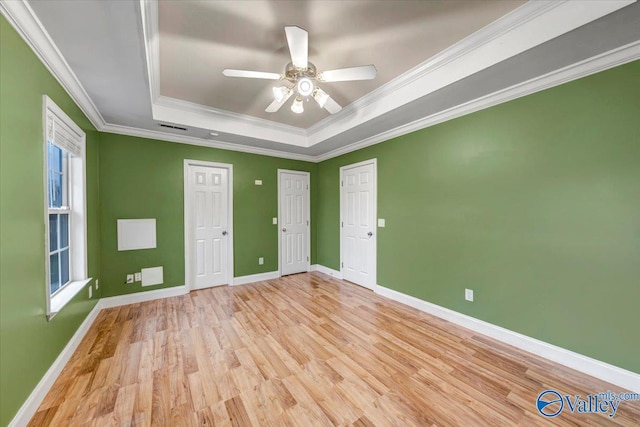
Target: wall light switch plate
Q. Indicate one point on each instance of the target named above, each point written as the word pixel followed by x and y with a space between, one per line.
pixel 258 182
pixel 381 222
pixel 97 285
pixel 468 294
pixel 260 261
pixel 275 220
pixel 90 292
pixel 138 277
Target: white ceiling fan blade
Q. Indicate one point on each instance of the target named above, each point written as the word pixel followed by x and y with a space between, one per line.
pixel 332 106
pixel 251 74
pixel 275 105
pixel 298 40
pixel 364 72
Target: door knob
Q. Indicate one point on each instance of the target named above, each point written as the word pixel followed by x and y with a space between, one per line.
pixel 224 233
pixel 284 230
pixel 369 234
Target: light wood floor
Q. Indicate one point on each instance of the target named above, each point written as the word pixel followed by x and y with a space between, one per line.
pixel 301 350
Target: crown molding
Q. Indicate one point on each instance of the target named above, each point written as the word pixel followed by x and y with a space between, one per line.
pixel 505 23
pixel 528 26
pixel 211 143
pixel 589 66
pixel 188 113
pixel 151 34
pixel 596 64
pixel 24 20
pixel 151 39
pixel 166 101
pixel 26 23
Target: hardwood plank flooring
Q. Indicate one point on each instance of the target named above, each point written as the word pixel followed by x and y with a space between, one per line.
pixel 302 350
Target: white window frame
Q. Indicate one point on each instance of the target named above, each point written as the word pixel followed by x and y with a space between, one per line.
pixel 77 208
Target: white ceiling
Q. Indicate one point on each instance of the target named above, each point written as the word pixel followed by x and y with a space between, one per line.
pixel 132 65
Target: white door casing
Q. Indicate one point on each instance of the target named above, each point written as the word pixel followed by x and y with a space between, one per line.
pixel 208 224
pixel 358 202
pixel 293 222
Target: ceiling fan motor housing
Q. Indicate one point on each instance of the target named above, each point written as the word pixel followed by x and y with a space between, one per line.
pixel 292 73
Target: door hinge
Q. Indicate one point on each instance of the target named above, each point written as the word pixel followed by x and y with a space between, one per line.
pixel 342 224
pixel 342 183
pixel 342 264
pixel 307 186
pixel 307 258
pixel 307 222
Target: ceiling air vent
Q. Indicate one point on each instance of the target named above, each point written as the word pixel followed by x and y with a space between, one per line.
pixel 163 125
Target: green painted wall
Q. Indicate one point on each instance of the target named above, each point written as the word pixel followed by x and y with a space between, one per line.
pixel 28 343
pixel 534 204
pixel 142 178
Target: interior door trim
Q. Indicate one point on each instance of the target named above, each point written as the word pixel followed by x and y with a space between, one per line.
pixel 188 238
pixel 308 174
pixel 374 261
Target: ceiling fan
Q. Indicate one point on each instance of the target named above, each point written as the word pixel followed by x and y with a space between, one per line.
pixel 304 76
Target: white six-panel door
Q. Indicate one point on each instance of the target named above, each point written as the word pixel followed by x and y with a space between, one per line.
pixel 208 220
pixel 357 222
pixel 293 194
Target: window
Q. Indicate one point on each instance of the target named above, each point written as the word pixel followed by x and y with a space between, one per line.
pixel 66 246
pixel 59 212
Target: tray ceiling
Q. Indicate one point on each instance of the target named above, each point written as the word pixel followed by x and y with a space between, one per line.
pixel 199 39
pixel 134 64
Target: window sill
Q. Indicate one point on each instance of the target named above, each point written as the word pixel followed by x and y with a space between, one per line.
pixel 64 296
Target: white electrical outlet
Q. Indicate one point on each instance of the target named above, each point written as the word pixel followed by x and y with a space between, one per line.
pixel 138 277
pixel 258 182
pixel 274 220
pixel 260 261
pixel 97 285
pixel 468 294
pixel 129 279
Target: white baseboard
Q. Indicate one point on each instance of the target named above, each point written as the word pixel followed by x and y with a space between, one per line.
pixel 242 280
pixel 30 406
pixel 604 371
pixel 326 270
pixel 142 296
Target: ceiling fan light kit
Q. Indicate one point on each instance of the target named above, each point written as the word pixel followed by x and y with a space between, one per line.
pixel 320 96
pixel 297 106
pixel 280 93
pixel 305 87
pixel 302 74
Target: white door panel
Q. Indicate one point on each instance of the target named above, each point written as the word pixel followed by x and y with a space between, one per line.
pixel 294 222
pixel 209 199
pixel 358 217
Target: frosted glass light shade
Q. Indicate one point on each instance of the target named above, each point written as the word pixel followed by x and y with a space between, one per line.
pixel 321 97
pixel 279 93
pixel 297 107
